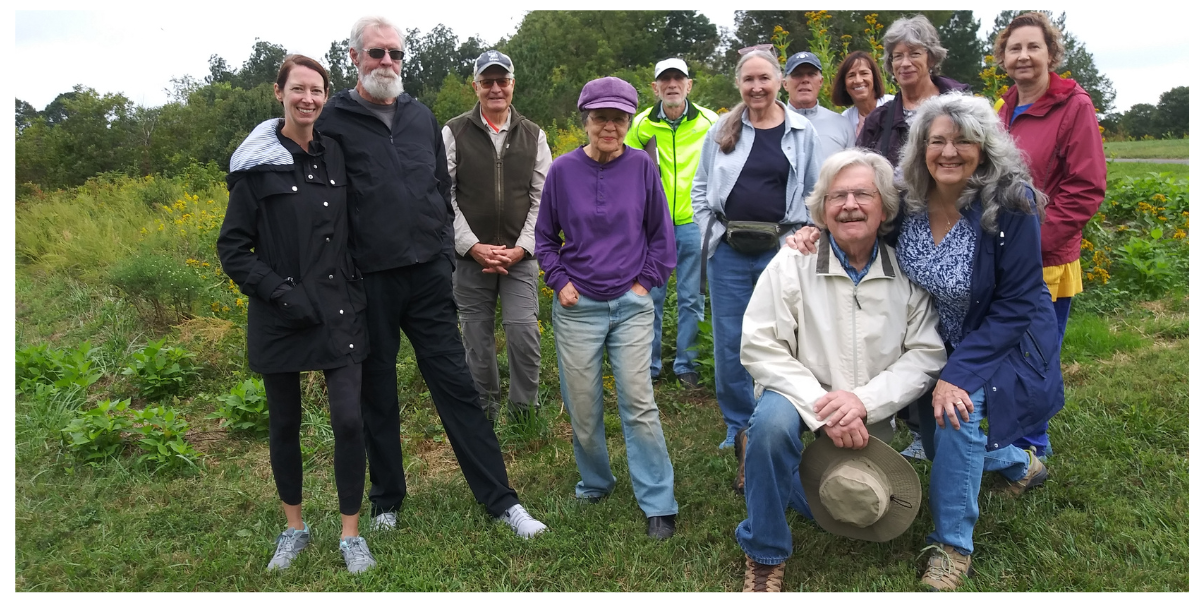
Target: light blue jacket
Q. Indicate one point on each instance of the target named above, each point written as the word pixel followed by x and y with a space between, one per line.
pixel 719 171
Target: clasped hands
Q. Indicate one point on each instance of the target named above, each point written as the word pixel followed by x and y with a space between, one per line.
pixel 496 259
pixel 845 419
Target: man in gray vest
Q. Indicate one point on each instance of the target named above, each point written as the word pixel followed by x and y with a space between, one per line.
pixel 498 162
pixel 802 80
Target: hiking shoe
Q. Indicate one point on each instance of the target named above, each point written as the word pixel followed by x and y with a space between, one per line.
pixel 384 521
pixel 946 569
pixel 728 443
pixel 763 578
pixel 689 381
pixel 1036 475
pixel 915 450
pixel 660 527
pixel 287 546
pixel 522 524
pixel 739 450
pixel 354 551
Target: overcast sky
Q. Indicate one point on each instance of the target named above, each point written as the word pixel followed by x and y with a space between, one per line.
pixel 136 48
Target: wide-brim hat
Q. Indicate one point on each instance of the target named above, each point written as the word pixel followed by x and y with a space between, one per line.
pixel 870 494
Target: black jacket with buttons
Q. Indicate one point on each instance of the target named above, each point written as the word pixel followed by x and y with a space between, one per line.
pixel 286 230
pixel 400 212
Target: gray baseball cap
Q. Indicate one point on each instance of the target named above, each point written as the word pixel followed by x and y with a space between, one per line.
pixel 492 57
pixel 801 58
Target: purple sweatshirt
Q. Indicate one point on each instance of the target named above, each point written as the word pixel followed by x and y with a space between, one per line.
pixel 615 223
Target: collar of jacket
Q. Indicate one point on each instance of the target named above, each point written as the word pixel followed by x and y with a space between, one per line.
pixel 475 115
pixel 887 266
pixel 791 118
pixel 262 148
pixel 344 101
pixel 944 84
pixel 1059 91
pixel 691 113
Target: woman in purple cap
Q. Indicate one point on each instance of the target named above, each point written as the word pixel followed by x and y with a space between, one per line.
pixel 607 201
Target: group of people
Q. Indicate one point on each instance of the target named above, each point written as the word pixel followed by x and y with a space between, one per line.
pixel 953 229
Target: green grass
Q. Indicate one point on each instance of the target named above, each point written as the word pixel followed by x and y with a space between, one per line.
pixel 1147 149
pixel 1118 170
pixel 1113 516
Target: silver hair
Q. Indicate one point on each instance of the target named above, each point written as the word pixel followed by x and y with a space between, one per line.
pixel 913 31
pixel 888 194
pixel 731 130
pixel 1001 179
pixel 361 25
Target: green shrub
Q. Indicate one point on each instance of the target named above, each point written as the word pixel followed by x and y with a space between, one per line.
pixel 42 365
pixel 158 282
pixel 158 191
pixel 96 434
pixel 160 372
pixel 162 439
pixel 244 408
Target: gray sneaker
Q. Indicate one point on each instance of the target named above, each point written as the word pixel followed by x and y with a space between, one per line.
pixel 384 521
pixel 287 546
pixel 358 557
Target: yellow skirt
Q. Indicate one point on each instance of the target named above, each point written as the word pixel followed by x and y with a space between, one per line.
pixel 1064 281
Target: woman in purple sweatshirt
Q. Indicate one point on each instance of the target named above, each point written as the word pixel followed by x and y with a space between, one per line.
pixel 617 242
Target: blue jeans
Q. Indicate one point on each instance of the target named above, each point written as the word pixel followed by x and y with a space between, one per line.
pixel 773 450
pixel 689 302
pixel 731 279
pixel 581 335
pixel 959 459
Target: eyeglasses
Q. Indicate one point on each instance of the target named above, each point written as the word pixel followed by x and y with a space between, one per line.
pixel 602 120
pixel 764 47
pixel 503 82
pixel 960 144
pixel 913 56
pixel 840 197
pixel 377 53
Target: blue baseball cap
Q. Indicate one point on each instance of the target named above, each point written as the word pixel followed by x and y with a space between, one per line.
pixel 801 58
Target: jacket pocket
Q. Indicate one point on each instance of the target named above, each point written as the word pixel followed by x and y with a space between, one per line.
pixel 295 309
pixel 1032 354
pixel 356 288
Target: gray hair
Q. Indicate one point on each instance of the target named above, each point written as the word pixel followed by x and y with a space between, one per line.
pixel 361 25
pixel 839 162
pixel 731 130
pixel 1001 178
pixel 913 31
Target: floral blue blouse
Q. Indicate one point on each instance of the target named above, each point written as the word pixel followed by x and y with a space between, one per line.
pixel 943 270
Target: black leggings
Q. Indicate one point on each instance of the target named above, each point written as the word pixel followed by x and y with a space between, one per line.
pixel 345 415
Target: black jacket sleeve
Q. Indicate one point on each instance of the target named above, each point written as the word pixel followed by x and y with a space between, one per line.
pixel 442 172
pixel 239 235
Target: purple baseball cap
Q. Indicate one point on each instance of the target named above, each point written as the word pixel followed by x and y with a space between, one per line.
pixel 608 92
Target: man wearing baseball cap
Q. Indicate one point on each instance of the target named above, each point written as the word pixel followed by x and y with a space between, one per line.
pixel 498 162
pixel 802 80
pixel 616 245
pixel 673 130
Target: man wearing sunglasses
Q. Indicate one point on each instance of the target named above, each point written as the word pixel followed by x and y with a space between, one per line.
pixel 498 162
pixel 402 240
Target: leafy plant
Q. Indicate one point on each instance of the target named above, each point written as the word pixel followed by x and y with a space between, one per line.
pixel 244 408
pixel 160 282
pixel 61 368
pixel 160 372
pixel 96 434
pixel 162 438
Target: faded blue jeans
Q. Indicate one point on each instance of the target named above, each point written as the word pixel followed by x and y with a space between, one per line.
pixel 731 279
pixel 689 302
pixel 582 333
pixel 960 457
pixel 773 450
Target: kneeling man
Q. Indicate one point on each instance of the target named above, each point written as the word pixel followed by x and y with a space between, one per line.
pixel 837 340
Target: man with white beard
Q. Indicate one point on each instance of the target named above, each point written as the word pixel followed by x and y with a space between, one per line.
pixel 402 241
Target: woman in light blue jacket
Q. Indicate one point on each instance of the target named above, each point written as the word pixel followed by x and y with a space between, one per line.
pixel 757 165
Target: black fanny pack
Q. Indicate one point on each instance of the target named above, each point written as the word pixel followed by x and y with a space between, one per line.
pixel 752 237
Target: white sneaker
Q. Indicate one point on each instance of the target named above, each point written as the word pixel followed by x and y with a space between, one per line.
pixel 354 551
pixel 524 525
pixel 384 521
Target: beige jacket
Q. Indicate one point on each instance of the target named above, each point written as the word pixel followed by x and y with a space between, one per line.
pixel 809 330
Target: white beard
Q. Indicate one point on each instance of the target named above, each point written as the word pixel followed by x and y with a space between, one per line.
pixel 382 83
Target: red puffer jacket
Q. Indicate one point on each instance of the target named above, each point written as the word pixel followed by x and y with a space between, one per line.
pixel 1060 138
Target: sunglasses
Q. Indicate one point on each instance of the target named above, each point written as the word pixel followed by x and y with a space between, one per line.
pixel 503 82
pixel 763 47
pixel 377 53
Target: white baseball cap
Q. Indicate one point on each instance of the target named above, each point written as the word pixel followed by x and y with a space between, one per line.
pixel 670 63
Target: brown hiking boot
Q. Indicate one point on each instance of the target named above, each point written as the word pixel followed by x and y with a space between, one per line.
pixel 739 450
pixel 762 578
pixel 947 569
pixel 1034 477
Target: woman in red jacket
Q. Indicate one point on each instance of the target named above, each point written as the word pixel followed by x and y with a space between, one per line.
pixel 1054 125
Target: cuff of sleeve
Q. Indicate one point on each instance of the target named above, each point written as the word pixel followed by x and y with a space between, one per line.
pixel 269 282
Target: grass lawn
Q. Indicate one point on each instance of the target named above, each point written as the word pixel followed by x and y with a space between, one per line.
pixel 1147 149
pixel 1117 170
pixel 1113 516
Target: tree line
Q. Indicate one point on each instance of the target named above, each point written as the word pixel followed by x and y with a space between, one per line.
pixel 82 132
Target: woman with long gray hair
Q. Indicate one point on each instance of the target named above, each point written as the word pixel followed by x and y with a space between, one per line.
pixel 757 165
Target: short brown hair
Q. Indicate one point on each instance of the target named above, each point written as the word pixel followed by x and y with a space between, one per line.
pixel 1053 37
pixel 841 97
pixel 292 60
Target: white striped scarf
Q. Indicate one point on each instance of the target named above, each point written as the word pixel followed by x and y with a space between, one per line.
pixel 261 147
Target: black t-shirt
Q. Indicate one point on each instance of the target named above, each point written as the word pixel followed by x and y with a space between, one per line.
pixel 760 192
